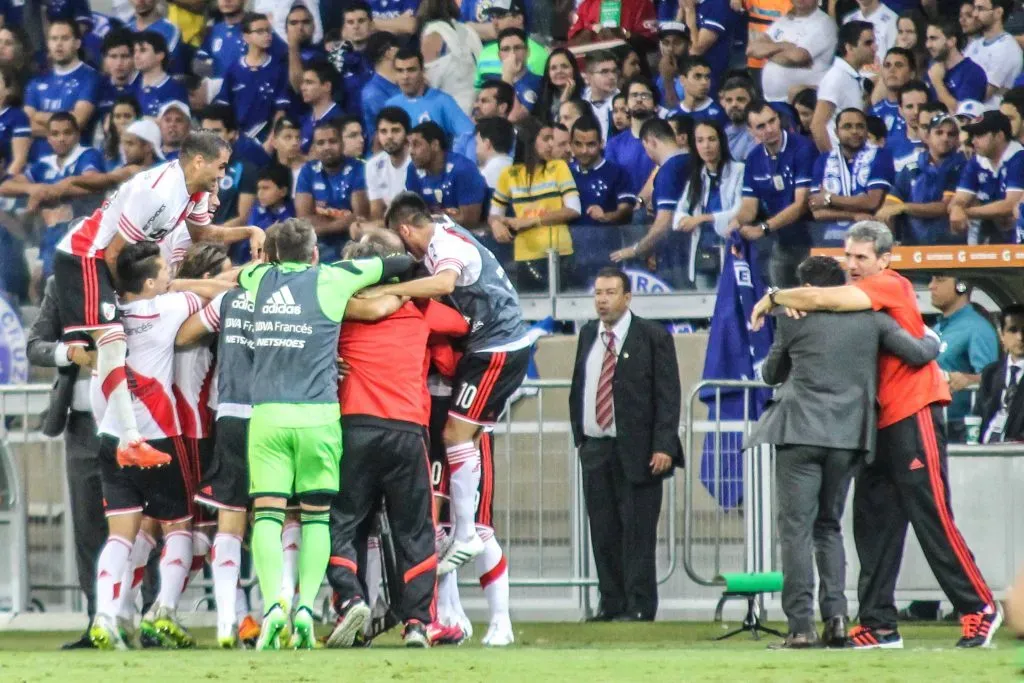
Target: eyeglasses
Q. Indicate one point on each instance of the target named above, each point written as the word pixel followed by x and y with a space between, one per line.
pixel 641 96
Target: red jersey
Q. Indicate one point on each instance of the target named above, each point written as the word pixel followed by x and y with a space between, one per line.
pixel 636 16
pixel 389 362
pixel 902 390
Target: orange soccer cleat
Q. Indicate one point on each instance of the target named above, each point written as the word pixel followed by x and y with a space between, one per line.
pixel 248 631
pixel 141 454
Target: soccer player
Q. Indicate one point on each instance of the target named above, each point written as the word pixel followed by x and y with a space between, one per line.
pixel 144 209
pixel 295 432
pixel 449 182
pixel 497 348
pixel 908 480
pixel 154 87
pixel 153 310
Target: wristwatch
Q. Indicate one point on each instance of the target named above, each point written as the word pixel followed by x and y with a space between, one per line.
pixel 764 228
pixel 828 199
pixel 772 291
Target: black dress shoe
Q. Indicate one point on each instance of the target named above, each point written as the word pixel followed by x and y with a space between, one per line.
pixel 634 616
pixel 602 616
pixel 834 633
pixel 82 643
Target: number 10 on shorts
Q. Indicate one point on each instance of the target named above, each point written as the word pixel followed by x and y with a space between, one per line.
pixel 467 392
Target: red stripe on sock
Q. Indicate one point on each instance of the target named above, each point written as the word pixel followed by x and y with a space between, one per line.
pixel 113 380
pixel 490 577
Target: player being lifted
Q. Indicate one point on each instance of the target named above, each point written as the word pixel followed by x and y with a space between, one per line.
pixel 143 209
pixel 497 348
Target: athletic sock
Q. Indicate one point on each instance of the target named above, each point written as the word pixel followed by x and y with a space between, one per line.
pixel 110 570
pixel 111 351
pixel 374 570
pixel 134 572
pixel 464 465
pixel 291 538
pixel 226 561
pixel 314 554
pixel 493 569
pixel 200 549
pixel 266 552
pixel 174 566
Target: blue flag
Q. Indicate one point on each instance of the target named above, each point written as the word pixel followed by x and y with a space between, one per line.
pixel 734 353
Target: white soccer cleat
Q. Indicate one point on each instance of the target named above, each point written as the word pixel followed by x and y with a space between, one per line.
pixel 105 635
pixel 460 553
pixel 227 636
pixel 499 633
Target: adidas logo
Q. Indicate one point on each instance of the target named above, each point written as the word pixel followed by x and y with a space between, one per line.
pixel 916 464
pixel 281 302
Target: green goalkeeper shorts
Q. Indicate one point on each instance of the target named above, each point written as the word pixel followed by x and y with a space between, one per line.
pixel 299 460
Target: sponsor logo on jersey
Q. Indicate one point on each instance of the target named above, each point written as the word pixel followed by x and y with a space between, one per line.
pixel 152 219
pixel 282 302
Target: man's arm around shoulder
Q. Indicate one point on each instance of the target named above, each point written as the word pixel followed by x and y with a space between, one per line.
pixel 907 347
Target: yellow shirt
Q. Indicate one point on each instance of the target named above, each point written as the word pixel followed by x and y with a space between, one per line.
pixel 189 23
pixel 543 193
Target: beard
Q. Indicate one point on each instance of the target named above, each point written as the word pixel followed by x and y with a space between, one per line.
pixel 392 147
pixel 641 114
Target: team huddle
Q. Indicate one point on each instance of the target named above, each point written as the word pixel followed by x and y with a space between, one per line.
pixel 292 401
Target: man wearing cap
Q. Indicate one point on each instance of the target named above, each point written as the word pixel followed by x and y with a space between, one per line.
pixel 635 23
pixel 673 48
pixel 992 182
pixel 508 14
pixel 175 121
pixel 797 49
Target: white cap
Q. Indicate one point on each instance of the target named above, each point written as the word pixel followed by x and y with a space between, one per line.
pixel 147 130
pixel 971 108
pixel 175 104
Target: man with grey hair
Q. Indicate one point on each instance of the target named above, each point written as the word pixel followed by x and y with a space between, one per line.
pixel 907 481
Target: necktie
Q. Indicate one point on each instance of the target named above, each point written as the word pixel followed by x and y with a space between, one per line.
pixel 1011 388
pixel 604 383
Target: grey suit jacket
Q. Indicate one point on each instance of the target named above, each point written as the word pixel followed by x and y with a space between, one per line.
pixel 827 364
pixel 43 336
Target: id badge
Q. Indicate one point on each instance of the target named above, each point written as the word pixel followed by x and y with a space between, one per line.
pixel 997 426
pixel 778 182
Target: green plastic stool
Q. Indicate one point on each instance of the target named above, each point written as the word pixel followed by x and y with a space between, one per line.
pixel 749 587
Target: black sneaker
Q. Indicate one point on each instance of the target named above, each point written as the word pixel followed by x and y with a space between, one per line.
pixel 415 634
pixel 834 633
pixel 979 628
pixel 352 617
pixel 83 643
pixel 866 638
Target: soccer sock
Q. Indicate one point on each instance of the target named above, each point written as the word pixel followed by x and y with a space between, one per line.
pixel 226 561
pixel 291 538
pixel 200 549
pixel 110 569
pixel 266 552
pixel 464 465
pixel 373 570
pixel 241 605
pixel 493 569
pixel 174 565
pixel 135 570
pixel 314 554
pixel 111 351
pixel 446 585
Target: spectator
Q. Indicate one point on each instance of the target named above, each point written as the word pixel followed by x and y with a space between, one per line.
pixel 804 104
pixel 968 19
pixel 673 49
pixel 776 185
pixel 448 182
pixel 634 23
pixel 625 423
pixel 495 98
pixel 395 16
pixel 876 131
pixel 542 197
pixel 331 191
pixel 842 87
pixel 897 70
pixel 969 345
pixel 1000 401
pixel 620 115
pixel 905 142
pixel 147 18
pixel 175 121
pixel 513 51
pixel 508 14
pixel 627 150
pixel 924 186
pixel 952 77
pixel 224 43
pixel 16 50
pixel 697 102
pixel 381 48
pixel 318 95
pixel 256 87
pixel 602 85
pixel 69 158
pixel 153 87
pixel 992 182
pixel 288 147
pixel 353 140
pixel 883 20
pixel 562 81
pixel 797 49
pixel 713 25
pixel 682 126
pixel 450 50
pixel 125 109
pixel 634 65
pixel 118 71
pixel 298 50
pixel 237 189
pixel 273 205
pixel 1012 107
pixel 708 205
pixel 849 182
pixel 997 53
pixel 387 170
pixel 424 103
pixel 910 35
pixel 277 11
pixel 673 164
pixel 571 111
pixel 495 145
pixel 560 142
pixel 760 15
pixel 71 86
pixel 15 130
pixel 734 97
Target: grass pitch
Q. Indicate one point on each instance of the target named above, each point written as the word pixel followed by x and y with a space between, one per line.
pixel 559 653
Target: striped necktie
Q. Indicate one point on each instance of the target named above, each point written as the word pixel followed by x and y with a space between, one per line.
pixel 604 383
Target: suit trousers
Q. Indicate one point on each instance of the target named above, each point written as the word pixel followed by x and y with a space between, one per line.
pixel 812 483
pixel 623 530
pixel 908 483
pixel 81 448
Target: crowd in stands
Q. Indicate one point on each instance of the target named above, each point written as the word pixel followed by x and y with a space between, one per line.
pixel 647 133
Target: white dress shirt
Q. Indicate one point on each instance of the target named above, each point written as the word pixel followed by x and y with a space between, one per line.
pixel 996 427
pixel 80 401
pixel 815 33
pixel 843 87
pixel 592 375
